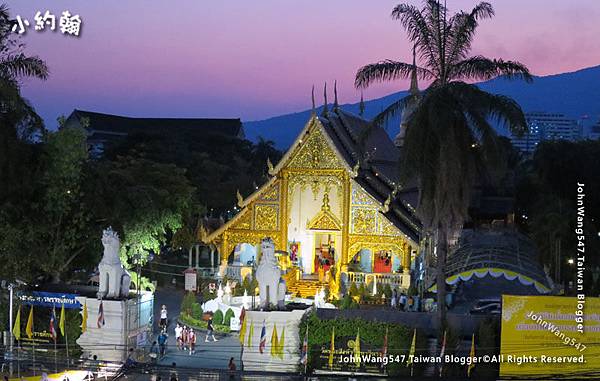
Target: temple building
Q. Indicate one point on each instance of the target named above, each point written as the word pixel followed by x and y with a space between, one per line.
pixel 333 208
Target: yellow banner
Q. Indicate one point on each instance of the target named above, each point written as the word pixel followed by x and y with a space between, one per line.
pixel 540 337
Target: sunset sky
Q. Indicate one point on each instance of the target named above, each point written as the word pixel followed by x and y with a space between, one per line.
pixel 256 59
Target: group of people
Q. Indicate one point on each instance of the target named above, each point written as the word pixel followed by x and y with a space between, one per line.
pixel 402 301
pixel 186 337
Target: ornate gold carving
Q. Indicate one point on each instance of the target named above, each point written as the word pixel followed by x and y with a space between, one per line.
pixel 245 221
pixel 231 238
pixel 375 243
pixel 271 194
pixel 387 228
pixel 315 152
pixel 364 220
pixel 328 179
pixel 360 197
pixel 266 217
pixel 325 219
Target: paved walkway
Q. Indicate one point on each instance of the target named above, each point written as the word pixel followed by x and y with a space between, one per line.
pixel 211 355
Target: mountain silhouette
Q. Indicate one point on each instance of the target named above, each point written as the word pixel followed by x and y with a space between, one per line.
pixel 575 94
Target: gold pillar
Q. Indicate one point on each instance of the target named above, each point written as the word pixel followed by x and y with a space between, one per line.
pixel 345 222
pixel 406 258
pixel 224 254
pixel 283 210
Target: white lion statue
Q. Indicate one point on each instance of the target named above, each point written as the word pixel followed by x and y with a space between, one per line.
pixel 268 274
pixel 114 279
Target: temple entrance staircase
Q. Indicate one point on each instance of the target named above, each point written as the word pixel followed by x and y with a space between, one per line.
pixel 305 288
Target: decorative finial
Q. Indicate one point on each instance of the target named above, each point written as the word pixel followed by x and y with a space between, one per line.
pixel 335 99
pixel 355 169
pixel 325 207
pixel 270 167
pixel 314 109
pixel 325 110
pixel 414 85
pixel 361 105
pixel 240 199
pixel 386 204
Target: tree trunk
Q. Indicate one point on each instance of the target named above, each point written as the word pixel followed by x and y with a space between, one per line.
pixel 441 251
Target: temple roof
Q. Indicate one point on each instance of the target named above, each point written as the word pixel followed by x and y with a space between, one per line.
pixel 359 141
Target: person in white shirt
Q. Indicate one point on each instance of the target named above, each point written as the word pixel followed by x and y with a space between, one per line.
pixel 178 338
pixel 163 317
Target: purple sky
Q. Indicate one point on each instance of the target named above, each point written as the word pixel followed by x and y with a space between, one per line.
pixel 256 59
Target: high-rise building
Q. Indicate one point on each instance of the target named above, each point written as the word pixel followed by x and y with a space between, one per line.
pixel 546 126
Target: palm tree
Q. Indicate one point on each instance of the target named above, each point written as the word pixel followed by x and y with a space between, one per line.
pixel 18 119
pixel 448 135
pixel 14 65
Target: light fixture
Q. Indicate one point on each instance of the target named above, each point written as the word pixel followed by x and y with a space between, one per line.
pixel 570 261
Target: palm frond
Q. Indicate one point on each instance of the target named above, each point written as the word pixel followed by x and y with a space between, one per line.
pixel 386 71
pixel 419 32
pixel 502 109
pixel 392 110
pixel 19 65
pixel 462 30
pixel 482 68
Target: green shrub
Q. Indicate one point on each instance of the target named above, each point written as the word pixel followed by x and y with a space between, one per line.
pixel 218 317
pixel 362 290
pixel 371 333
pixel 188 301
pixel 196 311
pixel 201 324
pixel 387 291
pixel 347 303
pixel 353 291
pixel 228 315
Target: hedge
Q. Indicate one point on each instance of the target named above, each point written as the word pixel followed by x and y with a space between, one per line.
pixel 371 332
pixel 201 324
pixel 218 317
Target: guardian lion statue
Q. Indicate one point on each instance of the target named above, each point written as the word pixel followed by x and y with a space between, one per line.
pixel 114 279
pixel 268 274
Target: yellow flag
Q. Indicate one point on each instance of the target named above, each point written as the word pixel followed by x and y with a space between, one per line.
pixel 274 342
pixel 250 335
pixel 29 328
pixel 472 356
pixel 243 331
pixel 357 348
pixel 17 326
pixel 84 318
pixel 331 348
pixel 413 348
pixel 281 344
pixel 61 324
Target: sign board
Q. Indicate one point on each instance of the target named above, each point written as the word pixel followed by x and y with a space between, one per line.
pixel 343 357
pixel 540 337
pixel 190 277
pixel 49 299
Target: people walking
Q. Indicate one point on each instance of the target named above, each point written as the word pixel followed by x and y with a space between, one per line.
pixel 162 343
pixel 184 338
pixel 178 338
pixel 210 331
pixel 192 339
pixel 163 317
pixel 402 301
pixel 393 298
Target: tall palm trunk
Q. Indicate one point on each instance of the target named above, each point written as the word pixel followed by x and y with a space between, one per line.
pixel 441 251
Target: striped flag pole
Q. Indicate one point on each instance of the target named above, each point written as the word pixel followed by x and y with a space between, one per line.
pixel 54 336
pixel 442 353
pixel 305 350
